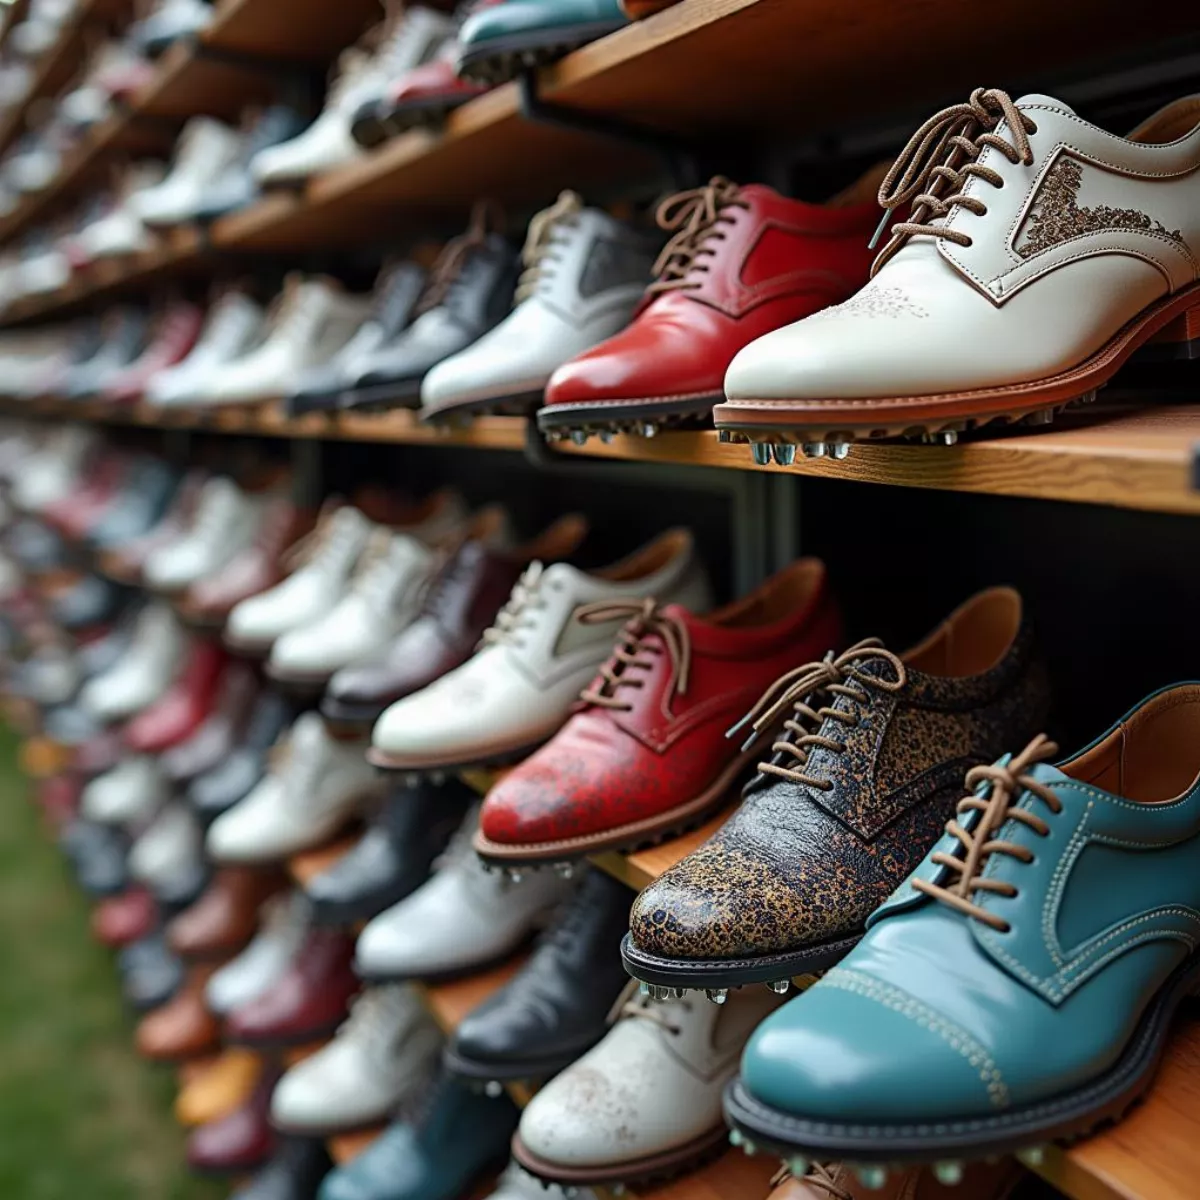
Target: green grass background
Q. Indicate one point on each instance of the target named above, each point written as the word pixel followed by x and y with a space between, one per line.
pixel 81 1116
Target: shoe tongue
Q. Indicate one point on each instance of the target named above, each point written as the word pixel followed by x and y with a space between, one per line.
pixel 1036 98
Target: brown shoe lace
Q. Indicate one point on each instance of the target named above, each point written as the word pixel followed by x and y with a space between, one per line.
pixel 695 216
pixel 933 168
pixel 539 240
pixel 634 650
pixel 486 217
pixel 830 677
pixel 1008 783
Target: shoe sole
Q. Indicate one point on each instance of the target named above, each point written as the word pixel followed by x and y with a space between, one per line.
pixel 319 1033
pixel 504 58
pixel 353 718
pixel 830 426
pixel 500 756
pixel 500 404
pixel 529 1070
pixel 720 974
pixel 382 397
pixel 387 123
pixel 653 1169
pixel 644 417
pixel 637 835
pixel 1064 1118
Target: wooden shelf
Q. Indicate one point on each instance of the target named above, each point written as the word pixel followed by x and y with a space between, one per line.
pixel 305 31
pixel 304 868
pixel 450 1002
pixel 1126 457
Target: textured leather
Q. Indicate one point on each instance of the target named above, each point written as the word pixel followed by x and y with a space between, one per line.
pixel 461 603
pixel 795 866
pixel 609 768
pixel 178 714
pixel 652 1086
pixel 182 1029
pixel 122 919
pixel 220 1089
pixel 1102 914
pixel 558 1005
pixel 589 282
pixel 225 917
pixel 434 1156
pixel 766 262
pixel 376 1065
pixel 294 1173
pixel 517 690
pixel 394 857
pixel 239 1142
pixel 307 1003
pixel 941 318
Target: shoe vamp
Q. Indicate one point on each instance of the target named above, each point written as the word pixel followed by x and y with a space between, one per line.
pixel 919 328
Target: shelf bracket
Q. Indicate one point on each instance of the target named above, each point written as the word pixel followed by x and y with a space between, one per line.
pixel 1196 467
pixel 678 155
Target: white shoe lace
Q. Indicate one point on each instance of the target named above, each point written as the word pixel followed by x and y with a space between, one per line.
pixel 520 612
pixel 376 1016
pixel 331 544
pixel 389 564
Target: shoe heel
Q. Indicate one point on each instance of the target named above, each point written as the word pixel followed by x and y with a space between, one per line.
pixel 1178 339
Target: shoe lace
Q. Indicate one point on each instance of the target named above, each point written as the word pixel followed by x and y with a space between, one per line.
pixel 381 570
pixel 820 1176
pixel 544 235
pixel 1007 782
pixel 329 541
pixel 486 217
pixel 519 612
pixel 940 158
pixel 830 678
pixel 636 650
pixel 666 1014
pixel 290 307
pixel 695 216
pixel 374 1014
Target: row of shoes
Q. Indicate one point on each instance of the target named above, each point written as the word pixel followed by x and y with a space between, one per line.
pixel 655 709
pixel 767 316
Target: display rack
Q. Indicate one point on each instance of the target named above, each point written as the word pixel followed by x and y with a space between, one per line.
pixel 712 74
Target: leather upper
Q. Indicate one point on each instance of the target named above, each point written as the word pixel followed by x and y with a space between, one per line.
pixel 812 852
pixel 590 273
pixel 240 1141
pixel 519 688
pixel 1090 917
pixel 225 917
pixel 179 713
pixel 664 741
pixel 307 1001
pixel 766 261
pixel 395 855
pixel 433 1156
pixel 558 1004
pixel 1070 247
pixel 597 1113
pixel 462 602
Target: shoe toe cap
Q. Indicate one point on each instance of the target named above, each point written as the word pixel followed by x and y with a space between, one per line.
pixel 854 1048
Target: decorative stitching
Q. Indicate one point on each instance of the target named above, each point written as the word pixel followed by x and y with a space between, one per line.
pixel 908 1006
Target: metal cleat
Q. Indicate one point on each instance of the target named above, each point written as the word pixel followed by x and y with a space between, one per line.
pixel 781 987
pixel 762 453
pixel 839 450
pixel 784 453
pixel 717 995
pixel 949 1173
pixel 815 449
pixel 871 1177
